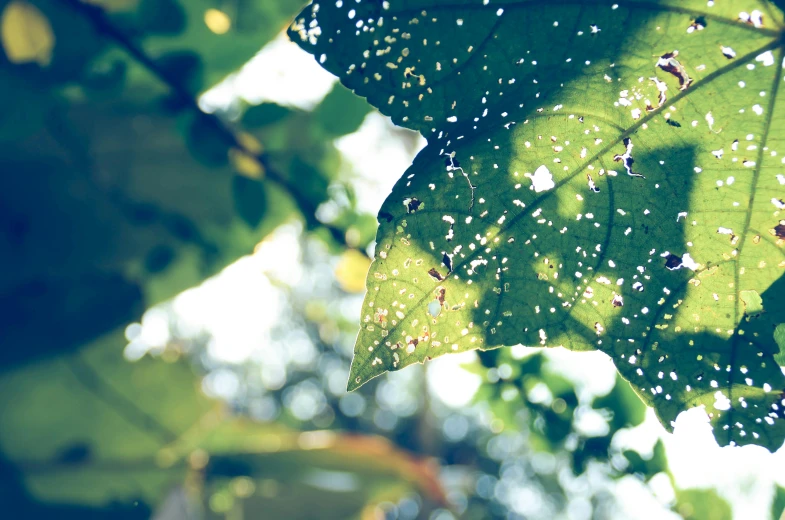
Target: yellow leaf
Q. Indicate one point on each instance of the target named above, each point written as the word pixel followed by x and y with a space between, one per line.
pixel 26 34
pixel 246 164
pixel 352 270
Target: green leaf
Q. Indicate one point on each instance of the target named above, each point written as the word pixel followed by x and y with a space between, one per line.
pixel 648 467
pixel 778 506
pixel 264 114
pixel 624 404
pixel 250 199
pixel 702 504
pixel 165 17
pixel 779 337
pixel 577 191
pixel 341 112
pixel 207 142
pixel 184 67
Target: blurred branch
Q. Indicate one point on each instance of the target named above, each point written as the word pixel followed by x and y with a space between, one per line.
pixel 92 381
pixel 104 26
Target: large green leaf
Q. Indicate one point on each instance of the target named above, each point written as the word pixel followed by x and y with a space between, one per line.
pixel 525 219
pixel 91 432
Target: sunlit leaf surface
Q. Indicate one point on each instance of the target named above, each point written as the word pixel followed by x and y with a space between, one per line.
pixel 598 175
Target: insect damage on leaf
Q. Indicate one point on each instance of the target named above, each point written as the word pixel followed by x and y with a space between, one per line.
pixel 534 237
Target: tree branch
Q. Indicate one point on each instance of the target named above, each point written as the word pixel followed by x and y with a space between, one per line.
pixel 104 26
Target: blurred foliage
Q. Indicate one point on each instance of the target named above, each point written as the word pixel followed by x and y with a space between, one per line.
pixel 118 193
pixel 113 173
pixel 130 435
pixel 702 503
pixel 778 506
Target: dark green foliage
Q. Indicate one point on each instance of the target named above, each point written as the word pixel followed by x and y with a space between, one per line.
pixel 264 114
pixel 778 506
pixel 250 199
pixel 183 66
pixel 341 112
pixel 207 142
pixel 166 17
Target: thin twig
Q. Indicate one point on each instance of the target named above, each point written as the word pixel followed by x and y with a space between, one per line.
pixel 104 26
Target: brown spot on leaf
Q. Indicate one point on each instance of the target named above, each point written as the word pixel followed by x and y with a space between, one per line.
pixel 436 275
pixel 440 294
pixel 670 64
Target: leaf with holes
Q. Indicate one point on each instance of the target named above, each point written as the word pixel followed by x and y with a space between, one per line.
pixel 599 175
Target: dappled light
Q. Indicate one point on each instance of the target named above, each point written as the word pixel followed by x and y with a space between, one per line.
pixel 592 213
pixel 392 260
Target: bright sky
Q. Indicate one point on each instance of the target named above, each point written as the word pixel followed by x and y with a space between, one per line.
pixel 239 306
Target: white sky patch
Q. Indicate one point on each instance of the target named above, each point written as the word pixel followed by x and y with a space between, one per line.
pixel 781 179
pixel 696 460
pixel 377 154
pixel 755 18
pixel 280 73
pixel 688 262
pixel 592 372
pixel 767 58
pixel 238 307
pixel 721 401
pixel 779 204
pixel 542 180
pixel 450 383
